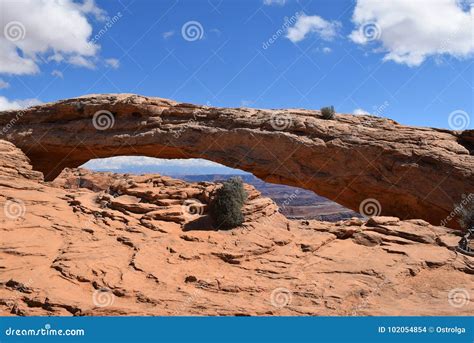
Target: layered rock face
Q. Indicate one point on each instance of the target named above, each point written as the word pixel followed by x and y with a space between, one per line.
pixel 108 244
pixel 353 160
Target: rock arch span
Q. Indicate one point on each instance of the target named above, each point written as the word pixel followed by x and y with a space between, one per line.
pixel 353 160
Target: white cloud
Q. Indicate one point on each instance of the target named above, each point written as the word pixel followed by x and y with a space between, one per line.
pixel 89 7
pixel 120 162
pixel 192 166
pixel 360 111
pixel 411 31
pixel 56 58
pixel 81 61
pixel 304 25
pixel 274 2
pixel 42 30
pixel 57 73
pixel 4 84
pixel 6 104
pixel 327 50
pixel 168 34
pixel 112 63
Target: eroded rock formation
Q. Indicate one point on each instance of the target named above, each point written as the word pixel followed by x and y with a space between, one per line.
pixel 412 172
pixel 109 244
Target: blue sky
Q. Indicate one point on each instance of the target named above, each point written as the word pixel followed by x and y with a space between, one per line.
pixel 408 60
pixel 233 64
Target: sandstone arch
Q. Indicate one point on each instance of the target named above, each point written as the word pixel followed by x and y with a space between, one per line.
pixel 412 172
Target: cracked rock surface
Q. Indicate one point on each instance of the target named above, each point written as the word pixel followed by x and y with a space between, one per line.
pixel 109 244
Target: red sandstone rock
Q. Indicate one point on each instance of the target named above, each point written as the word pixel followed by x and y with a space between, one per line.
pixel 86 245
pixel 411 172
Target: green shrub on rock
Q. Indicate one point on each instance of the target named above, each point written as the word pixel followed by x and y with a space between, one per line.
pixel 226 207
pixel 328 112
